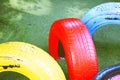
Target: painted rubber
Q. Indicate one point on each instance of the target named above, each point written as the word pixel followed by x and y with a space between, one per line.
pixel 25 68
pixel 78 46
pixel 106 13
pixel 108 72
pixel 33 58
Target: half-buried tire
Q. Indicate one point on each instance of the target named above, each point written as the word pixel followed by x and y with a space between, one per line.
pixel 78 46
pixel 30 61
pixel 103 14
pixel 109 73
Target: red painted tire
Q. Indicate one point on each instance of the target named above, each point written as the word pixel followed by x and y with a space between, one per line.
pixel 79 48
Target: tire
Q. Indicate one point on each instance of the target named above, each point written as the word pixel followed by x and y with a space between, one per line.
pixel 108 72
pixel 106 13
pixel 78 46
pixel 33 58
pixel 12 64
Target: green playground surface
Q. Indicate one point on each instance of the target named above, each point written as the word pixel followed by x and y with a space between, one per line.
pixel 30 20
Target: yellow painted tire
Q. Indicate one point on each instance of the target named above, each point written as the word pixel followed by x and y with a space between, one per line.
pixel 20 66
pixel 38 60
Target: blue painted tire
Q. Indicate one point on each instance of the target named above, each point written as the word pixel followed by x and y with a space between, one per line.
pixel 108 72
pixel 103 14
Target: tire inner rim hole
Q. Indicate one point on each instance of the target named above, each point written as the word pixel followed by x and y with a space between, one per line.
pixel 61 52
pixel 114 75
pixel 62 61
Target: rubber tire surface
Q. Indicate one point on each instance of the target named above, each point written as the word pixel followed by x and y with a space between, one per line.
pixel 78 46
pixel 106 13
pixel 20 66
pixel 108 72
pixel 45 67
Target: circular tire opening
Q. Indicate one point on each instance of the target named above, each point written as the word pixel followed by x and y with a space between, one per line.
pixel 10 75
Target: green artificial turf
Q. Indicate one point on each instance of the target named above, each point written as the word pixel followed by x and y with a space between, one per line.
pixel 107 43
pixel 21 22
pixel 12 76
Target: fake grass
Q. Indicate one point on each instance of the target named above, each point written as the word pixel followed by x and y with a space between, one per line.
pixel 17 24
pixel 107 43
